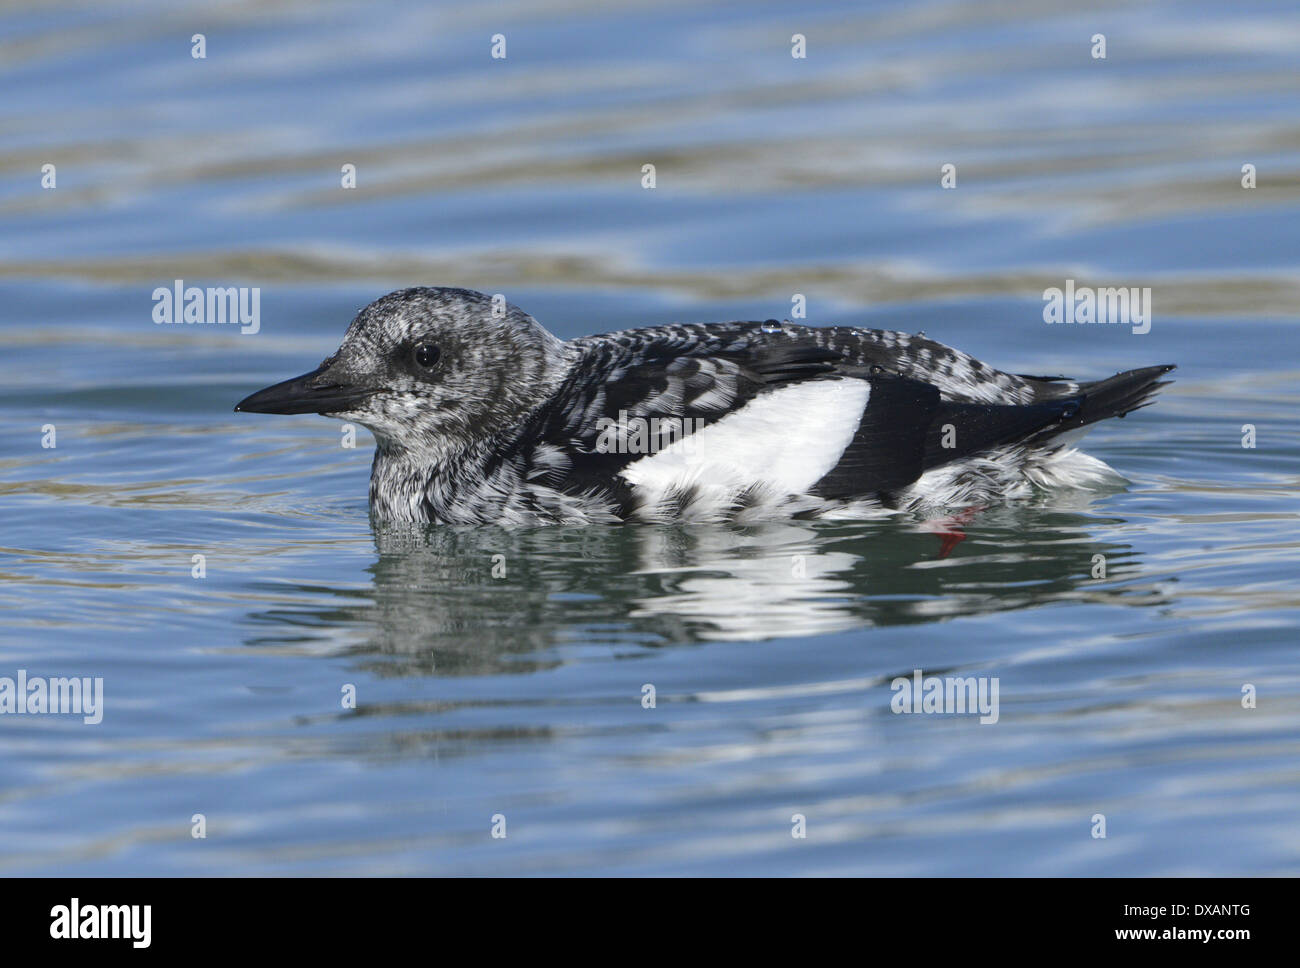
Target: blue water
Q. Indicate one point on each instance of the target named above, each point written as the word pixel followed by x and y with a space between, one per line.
pixel 771 649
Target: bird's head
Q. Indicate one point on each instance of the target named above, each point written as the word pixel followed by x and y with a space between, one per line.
pixel 428 370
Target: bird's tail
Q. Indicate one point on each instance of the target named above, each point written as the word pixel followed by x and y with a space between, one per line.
pixel 1115 396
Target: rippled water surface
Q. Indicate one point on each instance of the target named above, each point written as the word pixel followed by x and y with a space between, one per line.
pixel 771 649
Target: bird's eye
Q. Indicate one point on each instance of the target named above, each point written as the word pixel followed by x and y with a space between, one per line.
pixel 426 355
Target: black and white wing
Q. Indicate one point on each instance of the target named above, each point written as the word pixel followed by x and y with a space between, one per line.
pixel 657 422
pixel 646 412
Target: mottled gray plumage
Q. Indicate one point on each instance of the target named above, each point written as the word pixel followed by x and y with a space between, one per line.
pixel 510 424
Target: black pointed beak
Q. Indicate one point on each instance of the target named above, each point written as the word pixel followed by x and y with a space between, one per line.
pixel 316 392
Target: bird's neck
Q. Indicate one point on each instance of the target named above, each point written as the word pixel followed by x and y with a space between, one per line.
pixel 441 487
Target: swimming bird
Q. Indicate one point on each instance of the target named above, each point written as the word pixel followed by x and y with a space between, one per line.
pixel 480 415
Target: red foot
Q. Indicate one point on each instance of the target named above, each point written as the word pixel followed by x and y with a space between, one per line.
pixel 948 530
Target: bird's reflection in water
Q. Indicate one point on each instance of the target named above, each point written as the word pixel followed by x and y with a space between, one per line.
pixel 456 601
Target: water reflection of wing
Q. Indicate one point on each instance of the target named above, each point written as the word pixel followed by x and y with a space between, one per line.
pixel 757 583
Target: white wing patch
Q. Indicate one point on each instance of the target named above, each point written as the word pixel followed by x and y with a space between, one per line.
pixel 783 442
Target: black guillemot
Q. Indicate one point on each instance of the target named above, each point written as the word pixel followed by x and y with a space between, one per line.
pixel 482 416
